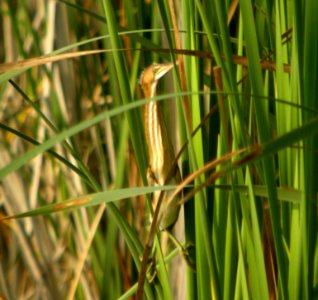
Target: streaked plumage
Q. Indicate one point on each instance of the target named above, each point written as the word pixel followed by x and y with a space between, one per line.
pixel 160 148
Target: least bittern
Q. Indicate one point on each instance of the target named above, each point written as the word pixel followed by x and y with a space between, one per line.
pixel 162 169
pixel 160 148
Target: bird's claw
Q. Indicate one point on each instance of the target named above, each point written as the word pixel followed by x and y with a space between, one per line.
pixel 190 261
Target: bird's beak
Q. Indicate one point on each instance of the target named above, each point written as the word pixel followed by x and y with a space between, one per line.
pixel 164 69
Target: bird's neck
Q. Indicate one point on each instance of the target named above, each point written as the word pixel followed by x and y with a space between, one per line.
pixel 150 90
pixel 155 136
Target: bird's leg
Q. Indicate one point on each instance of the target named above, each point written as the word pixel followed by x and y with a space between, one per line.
pixel 151 270
pixel 183 250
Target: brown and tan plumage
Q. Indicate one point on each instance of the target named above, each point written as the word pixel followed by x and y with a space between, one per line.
pixel 160 148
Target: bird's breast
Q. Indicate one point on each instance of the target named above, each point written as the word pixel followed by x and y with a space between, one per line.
pixel 155 131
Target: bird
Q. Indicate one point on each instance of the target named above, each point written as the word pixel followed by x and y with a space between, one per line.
pixel 160 148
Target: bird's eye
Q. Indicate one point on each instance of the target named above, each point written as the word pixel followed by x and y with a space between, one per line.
pixel 155 69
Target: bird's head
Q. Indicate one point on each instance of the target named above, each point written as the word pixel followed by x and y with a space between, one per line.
pixel 150 76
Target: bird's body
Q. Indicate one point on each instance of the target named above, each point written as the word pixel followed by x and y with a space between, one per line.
pixel 160 148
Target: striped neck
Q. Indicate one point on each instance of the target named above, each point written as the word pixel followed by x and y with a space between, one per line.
pixel 154 136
